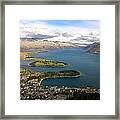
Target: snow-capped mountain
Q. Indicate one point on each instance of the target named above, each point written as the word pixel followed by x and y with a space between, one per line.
pixel 36 32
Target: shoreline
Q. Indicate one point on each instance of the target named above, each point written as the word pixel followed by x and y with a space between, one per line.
pixel 41 62
pixel 31 87
pixel 27 45
pixel 27 75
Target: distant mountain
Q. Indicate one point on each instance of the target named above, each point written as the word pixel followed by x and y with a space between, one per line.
pixel 37 37
pixel 49 34
pixel 68 35
pixel 93 48
pixel 36 32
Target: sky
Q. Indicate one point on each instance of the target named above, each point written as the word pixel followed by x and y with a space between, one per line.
pixel 64 25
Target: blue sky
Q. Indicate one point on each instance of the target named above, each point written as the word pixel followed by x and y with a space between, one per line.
pixel 72 26
pixel 89 24
pixel 75 23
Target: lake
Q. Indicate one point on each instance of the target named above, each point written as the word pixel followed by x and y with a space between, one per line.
pixel 78 59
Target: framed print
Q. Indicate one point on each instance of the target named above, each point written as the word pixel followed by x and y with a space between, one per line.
pixel 59 60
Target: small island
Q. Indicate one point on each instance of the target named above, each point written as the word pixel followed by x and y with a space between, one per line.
pixel 47 63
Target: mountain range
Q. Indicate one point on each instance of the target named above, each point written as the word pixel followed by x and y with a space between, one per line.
pixel 80 38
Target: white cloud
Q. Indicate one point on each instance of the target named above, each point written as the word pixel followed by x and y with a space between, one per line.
pixel 44 28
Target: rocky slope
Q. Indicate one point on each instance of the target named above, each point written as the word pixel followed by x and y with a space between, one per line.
pixel 93 48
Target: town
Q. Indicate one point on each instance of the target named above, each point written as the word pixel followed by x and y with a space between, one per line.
pixel 32 89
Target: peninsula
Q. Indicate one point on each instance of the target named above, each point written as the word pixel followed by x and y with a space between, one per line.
pixel 28 75
pixel 32 89
pixel 40 62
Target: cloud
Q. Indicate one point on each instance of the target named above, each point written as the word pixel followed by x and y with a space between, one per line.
pixel 82 26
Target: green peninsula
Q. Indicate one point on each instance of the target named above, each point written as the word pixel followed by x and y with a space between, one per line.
pixel 28 75
pixel 40 62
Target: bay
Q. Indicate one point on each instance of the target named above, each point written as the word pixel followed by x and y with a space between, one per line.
pixel 78 59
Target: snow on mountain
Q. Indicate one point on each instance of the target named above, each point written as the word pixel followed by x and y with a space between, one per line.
pixel 36 31
pixel 39 32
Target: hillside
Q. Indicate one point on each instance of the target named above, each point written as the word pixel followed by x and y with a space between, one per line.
pixel 93 48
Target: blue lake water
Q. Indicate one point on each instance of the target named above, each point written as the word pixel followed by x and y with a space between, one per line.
pixel 78 59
